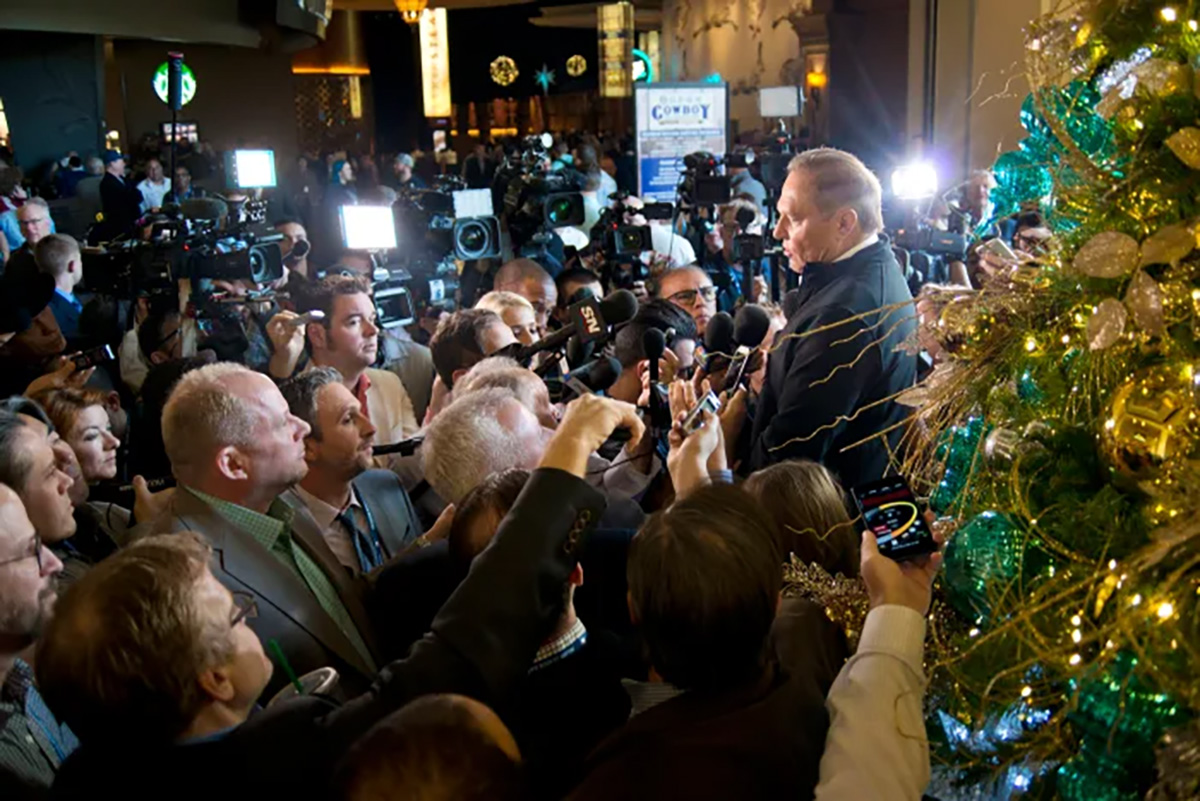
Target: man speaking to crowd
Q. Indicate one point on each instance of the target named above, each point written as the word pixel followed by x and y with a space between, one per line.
pixel 837 360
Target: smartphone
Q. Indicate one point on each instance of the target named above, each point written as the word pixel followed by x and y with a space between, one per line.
pixel 889 511
pixel 314 316
pixel 695 418
pixel 90 358
pixel 999 251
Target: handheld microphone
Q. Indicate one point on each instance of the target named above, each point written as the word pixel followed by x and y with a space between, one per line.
pixel 593 377
pixel 750 328
pixel 718 342
pixel 405 447
pixel 590 321
pixel 654 342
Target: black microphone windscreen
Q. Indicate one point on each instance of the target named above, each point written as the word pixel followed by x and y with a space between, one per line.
pixel 791 303
pixel 619 307
pixel 718 335
pixel 603 373
pixel 654 342
pixel 751 325
pixel 579 353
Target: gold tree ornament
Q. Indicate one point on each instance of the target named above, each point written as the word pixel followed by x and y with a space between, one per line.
pixel 1144 300
pixel 1109 254
pixel 1168 245
pixel 411 10
pixel 1150 423
pixel 504 71
pixel 1106 325
pixel 1185 144
pixel 576 66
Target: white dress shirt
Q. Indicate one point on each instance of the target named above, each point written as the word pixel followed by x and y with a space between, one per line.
pixel 876 746
pixel 335 533
pixel 153 194
pixel 863 245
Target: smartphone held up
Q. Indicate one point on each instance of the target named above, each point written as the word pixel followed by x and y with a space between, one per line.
pixel 890 512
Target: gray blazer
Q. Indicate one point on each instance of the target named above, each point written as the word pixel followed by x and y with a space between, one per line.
pixel 287 610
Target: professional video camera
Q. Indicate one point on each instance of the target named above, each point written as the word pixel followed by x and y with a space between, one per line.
pixel 536 200
pixel 701 185
pixel 621 243
pixel 923 248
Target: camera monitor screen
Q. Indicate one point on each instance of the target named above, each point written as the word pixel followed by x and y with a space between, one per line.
pixel 780 101
pixel 473 203
pixel 368 227
pixel 250 169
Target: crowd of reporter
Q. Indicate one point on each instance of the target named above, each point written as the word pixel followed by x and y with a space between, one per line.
pixel 521 599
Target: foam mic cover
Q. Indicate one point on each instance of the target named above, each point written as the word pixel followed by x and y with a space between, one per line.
pixel 791 303
pixel 718 335
pixel 654 342
pixel 619 307
pixel 751 325
pixel 579 353
pixel 600 374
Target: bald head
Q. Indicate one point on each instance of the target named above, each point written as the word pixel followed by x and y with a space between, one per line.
pixel 224 425
pixel 526 278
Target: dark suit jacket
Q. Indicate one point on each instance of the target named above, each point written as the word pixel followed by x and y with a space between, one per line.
pixel 794 405
pixel 121 201
pixel 762 740
pixel 287 610
pixel 383 493
pixel 481 644
pixel 67 317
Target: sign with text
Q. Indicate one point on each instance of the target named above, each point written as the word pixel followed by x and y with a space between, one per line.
pixel 673 120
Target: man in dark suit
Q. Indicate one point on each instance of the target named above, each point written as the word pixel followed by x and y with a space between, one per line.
pixel 120 199
pixel 833 377
pixel 59 257
pixel 190 672
pixel 735 703
pixel 365 514
pixel 234 448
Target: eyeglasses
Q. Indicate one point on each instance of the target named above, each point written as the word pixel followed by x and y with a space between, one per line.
pixel 245 606
pixel 34 221
pixel 34 550
pixel 688 296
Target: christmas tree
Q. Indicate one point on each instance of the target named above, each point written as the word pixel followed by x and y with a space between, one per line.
pixel 1062 432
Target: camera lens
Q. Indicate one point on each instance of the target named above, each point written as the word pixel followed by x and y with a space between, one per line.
pixel 559 210
pixel 472 239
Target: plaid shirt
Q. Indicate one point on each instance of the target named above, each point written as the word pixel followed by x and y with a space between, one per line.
pixel 273 531
pixel 32 741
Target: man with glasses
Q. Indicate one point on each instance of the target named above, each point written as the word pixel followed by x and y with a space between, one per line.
pixel 692 290
pixel 24 228
pixel 151 661
pixel 32 742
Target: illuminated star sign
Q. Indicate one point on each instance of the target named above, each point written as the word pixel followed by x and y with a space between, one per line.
pixel 543 78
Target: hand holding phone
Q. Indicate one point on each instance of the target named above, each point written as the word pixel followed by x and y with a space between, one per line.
pixel 889 512
pixel 91 358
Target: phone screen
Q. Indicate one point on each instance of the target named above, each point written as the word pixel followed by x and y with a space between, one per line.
pixel 890 512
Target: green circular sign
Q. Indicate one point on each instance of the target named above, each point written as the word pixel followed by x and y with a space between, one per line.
pixel 162 82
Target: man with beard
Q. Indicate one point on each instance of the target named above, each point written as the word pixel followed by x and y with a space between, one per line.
pixel 347 339
pixel 234 448
pixel 32 742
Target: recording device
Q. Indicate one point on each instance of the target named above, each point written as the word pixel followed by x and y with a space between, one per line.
pixel 591 378
pixel 654 342
pixel 299 250
pixel 93 357
pixel 536 200
pixel 250 169
pixel 314 316
pixel 700 184
pixel 747 247
pixel 932 240
pixel 394 303
pixel 695 417
pixel 889 511
pixel 124 495
pixel 718 342
pixel 1000 252
pixel 750 328
pixel 590 321
pixel 405 447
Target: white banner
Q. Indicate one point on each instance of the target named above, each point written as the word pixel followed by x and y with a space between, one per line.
pixel 674 120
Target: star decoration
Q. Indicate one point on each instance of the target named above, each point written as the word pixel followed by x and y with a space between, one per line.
pixel 543 78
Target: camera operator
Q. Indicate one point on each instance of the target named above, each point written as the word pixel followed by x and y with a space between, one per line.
pixel 402 171
pixel 740 217
pixel 121 200
pixel 743 182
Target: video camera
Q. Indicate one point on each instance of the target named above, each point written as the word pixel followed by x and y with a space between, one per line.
pixel 701 184
pixel 534 198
